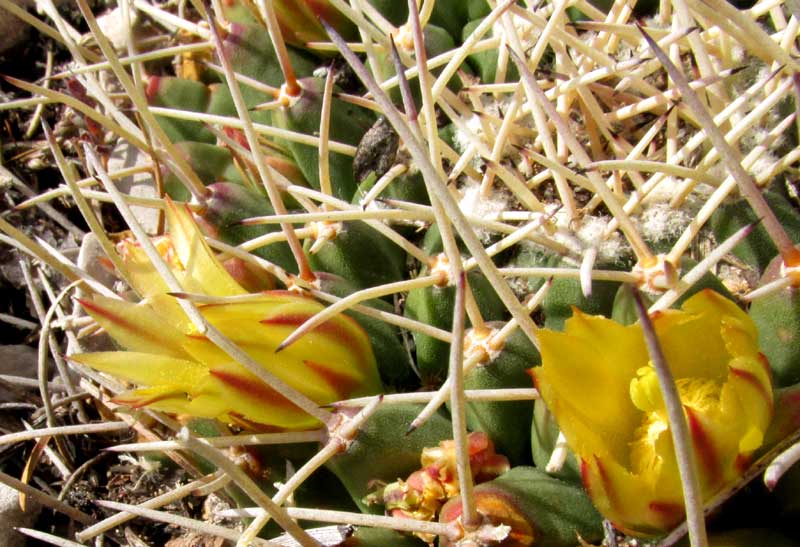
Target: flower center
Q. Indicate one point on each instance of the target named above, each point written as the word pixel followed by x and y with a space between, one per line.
pixel 699 394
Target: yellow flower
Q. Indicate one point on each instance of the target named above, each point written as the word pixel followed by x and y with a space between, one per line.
pixel 597 380
pixel 181 371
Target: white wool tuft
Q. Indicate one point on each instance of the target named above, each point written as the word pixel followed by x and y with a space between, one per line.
pixel 462 141
pixel 659 221
pixel 588 233
pixel 474 204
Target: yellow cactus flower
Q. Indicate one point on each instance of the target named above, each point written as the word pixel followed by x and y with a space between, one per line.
pixel 181 371
pixel 597 380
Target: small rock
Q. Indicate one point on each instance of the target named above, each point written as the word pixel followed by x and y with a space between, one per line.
pixel 16 360
pixel 112 23
pixel 124 156
pixel 196 540
pixel 13 517
pixel 14 31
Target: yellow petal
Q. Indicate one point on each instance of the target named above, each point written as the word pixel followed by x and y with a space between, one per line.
pixel 136 326
pixel 692 344
pixel 748 401
pixel 633 503
pixel 144 278
pixel 169 309
pixel 333 361
pixel 628 460
pixel 324 380
pixel 752 440
pixel 162 398
pixel 148 369
pixel 717 306
pixel 242 394
pixel 199 263
pixel 738 337
pixel 584 379
pixel 699 340
pixel 622 346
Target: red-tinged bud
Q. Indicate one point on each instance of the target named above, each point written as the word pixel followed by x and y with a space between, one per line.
pixel 227 204
pixel 527 507
pixel 420 497
pixel 484 462
pixel 299 21
pixel 250 277
pixel 426 489
pixel 496 508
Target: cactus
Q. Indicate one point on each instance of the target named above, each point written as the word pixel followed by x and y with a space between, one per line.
pixel 388 250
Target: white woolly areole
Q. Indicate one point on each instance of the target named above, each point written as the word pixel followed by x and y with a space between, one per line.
pixel 657 221
pixel 765 164
pixel 462 141
pixel 587 233
pixel 660 221
pixel 472 203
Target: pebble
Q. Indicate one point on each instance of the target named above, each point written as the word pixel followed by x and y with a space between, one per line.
pixel 124 156
pixel 16 360
pixel 13 517
pixel 13 31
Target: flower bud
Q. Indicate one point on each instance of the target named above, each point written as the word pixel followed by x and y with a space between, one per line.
pixel 181 371
pixel 533 509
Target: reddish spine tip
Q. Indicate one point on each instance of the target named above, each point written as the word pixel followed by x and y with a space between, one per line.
pixel 292 88
pixel 791 257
